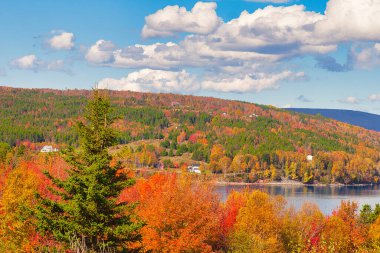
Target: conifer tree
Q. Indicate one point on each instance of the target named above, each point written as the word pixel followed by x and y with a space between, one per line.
pixel 88 209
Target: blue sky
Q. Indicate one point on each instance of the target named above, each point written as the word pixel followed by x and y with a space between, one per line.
pixel 319 54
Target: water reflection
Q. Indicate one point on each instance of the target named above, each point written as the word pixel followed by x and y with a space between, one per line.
pixel 326 197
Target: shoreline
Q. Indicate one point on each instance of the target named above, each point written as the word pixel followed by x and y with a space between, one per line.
pixel 286 183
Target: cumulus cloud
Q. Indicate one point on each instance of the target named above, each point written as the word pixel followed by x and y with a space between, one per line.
pixel 201 19
pixel 152 80
pixel 374 97
pixel 272 30
pixel 158 55
pixel 101 52
pixel 292 30
pixel 347 20
pixel 247 53
pixel 263 37
pixel 248 83
pixel 62 41
pixel 32 62
pixel 183 82
pixel 26 62
pixel 350 100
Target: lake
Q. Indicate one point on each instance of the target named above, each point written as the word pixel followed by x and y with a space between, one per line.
pixel 326 197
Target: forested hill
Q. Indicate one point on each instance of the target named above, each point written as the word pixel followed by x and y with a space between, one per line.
pixel 258 141
pixel 363 119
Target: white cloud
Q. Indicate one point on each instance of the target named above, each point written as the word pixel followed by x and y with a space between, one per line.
pixel 287 106
pixel 152 80
pixel 263 38
pixel 249 83
pixel 367 57
pixel 248 53
pixel 377 47
pixel 290 31
pixel 101 52
pixel 374 97
pixel 273 30
pixel 348 20
pixel 202 19
pixel 62 41
pixel 32 62
pixel 192 52
pixel 158 55
pixel 57 65
pixel 350 100
pixel 3 72
pixel 181 81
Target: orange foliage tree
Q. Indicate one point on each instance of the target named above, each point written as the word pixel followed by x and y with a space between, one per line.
pixel 342 231
pixel 180 214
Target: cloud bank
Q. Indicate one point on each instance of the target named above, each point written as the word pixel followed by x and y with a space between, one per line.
pixel 181 81
pixel 152 80
pixel 249 53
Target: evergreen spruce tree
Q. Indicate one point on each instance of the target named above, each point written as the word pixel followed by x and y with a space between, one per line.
pixel 88 209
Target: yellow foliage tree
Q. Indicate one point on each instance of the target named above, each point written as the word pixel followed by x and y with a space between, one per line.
pixel 374 234
pixel 258 225
pixel 17 234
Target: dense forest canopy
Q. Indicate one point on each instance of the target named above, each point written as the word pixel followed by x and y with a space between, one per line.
pixel 258 142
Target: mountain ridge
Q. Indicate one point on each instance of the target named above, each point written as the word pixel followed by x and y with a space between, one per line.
pixel 366 120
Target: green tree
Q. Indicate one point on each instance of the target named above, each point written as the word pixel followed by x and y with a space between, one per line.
pixel 4 149
pixel 89 211
pixel 369 215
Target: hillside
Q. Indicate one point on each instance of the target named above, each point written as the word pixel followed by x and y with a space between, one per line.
pixel 363 119
pixel 256 142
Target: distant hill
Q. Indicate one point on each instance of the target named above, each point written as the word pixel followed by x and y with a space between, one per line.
pixel 363 119
pixel 231 137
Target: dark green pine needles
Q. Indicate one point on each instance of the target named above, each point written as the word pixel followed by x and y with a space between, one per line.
pixel 88 212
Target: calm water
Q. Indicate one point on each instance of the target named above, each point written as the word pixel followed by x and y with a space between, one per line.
pixel 326 197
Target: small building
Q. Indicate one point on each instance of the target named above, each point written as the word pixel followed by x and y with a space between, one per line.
pixel 48 149
pixel 194 169
pixel 176 104
pixel 309 158
pixel 253 115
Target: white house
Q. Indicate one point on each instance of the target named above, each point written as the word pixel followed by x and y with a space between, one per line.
pixel 309 158
pixel 253 115
pixel 194 169
pixel 48 149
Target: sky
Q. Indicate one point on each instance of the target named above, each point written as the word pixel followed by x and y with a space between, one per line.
pixel 286 53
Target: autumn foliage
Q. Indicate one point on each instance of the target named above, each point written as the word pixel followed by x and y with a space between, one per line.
pixel 181 215
pixel 174 211
pixel 17 232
